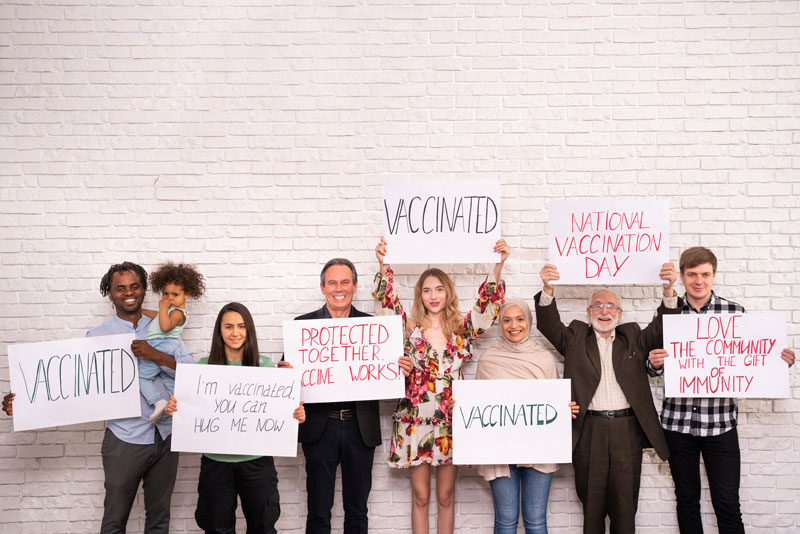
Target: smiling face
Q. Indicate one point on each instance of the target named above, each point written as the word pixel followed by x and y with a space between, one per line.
pixel 339 290
pixel 127 295
pixel 234 335
pixel 514 324
pixel 604 313
pixel 698 281
pixel 176 295
pixel 434 295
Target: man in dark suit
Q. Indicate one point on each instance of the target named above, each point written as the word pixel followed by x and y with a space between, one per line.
pixel 606 362
pixel 339 432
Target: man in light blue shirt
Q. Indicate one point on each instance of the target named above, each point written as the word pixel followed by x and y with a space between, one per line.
pixel 134 449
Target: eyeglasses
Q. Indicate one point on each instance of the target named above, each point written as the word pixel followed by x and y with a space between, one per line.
pixel 598 306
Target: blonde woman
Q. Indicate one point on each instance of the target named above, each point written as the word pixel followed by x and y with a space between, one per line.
pixel 437 339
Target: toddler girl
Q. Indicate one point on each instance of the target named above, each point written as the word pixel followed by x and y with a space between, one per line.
pixel 176 283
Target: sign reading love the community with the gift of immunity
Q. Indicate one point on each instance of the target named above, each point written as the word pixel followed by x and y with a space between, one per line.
pixel 725 355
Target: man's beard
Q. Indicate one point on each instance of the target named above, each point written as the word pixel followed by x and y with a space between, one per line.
pixel 605 328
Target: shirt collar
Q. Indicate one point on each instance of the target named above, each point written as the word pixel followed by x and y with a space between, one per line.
pixel 610 338
pixel 704 308
pixel 143 322
pixel 327 314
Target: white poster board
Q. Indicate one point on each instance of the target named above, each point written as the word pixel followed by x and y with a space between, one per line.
pixel 726 355
pixel 609 242
pixel 441 222
pixel 74 381
pixel 512 422
pixel 228 409
pixel 348 359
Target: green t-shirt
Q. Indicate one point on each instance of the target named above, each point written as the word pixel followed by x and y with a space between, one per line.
pixel 263 361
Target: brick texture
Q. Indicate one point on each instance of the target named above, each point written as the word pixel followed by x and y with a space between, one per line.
pixel 251 138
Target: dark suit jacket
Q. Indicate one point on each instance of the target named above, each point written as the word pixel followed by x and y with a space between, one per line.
pixel 367 412
pixel 632 345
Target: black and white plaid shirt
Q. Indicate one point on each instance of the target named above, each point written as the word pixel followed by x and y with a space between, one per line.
pixel 702 416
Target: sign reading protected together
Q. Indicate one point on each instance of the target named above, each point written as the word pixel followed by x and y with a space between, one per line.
pixel 725 355
pixel 512 422
pixel 355 358
pixel 228 409
pixel 607 242
pixel 441 222
pixel 74 381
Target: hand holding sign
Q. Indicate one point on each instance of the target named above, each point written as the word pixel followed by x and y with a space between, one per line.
pixel 549 273
pixel 504 250
pixel 8 406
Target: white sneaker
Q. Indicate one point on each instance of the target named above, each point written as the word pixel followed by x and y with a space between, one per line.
pixel 158 410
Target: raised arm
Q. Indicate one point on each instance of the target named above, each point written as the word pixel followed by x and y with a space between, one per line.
pixel 384 289
pixel 548 320
pixel 491 296
pixel 654 332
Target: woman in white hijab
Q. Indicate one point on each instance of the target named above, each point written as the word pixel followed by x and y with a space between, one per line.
pixel 517 356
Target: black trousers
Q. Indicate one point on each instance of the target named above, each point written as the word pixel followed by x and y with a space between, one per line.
pixel 722 459
pixel 125 465
pixel 255 482
pixel 608 465
pixel 340 442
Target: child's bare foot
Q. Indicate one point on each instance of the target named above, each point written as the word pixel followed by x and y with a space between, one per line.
pixel 158 410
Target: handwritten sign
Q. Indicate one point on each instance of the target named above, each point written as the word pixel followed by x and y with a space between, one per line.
pixel 607 242
pixel 441 222
pixel 725 355
pixel 512 422
pixel 347 359
pixel 228 409
pixel 74 381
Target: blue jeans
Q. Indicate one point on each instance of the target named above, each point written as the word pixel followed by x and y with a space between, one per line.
pixel 149 370
pixel 506 495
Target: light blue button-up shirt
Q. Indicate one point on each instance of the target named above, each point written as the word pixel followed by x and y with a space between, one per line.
pixel 139 430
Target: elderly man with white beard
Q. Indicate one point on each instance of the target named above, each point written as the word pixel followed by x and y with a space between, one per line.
pixel 606 362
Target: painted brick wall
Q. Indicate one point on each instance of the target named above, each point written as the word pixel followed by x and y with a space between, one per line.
pixel 251 138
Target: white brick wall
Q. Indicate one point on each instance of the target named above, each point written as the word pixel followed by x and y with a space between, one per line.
pixel 252 140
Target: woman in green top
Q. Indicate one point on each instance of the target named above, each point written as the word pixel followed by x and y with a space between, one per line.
pixel 224 476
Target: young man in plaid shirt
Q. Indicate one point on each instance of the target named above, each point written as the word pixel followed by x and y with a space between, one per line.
pixel 706 426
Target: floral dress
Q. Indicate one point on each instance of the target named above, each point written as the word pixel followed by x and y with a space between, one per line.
pixel 422 430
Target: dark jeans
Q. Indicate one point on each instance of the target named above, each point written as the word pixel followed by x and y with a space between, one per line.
pixel 723 461
pixel 254 481
pixel 125 465
pixel 340 442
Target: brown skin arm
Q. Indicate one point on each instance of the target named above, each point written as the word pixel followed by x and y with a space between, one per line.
pixel 149 313
pixel 142 349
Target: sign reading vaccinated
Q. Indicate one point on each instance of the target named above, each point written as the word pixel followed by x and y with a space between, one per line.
pixel 354 358
pixel 74 381
pixel 607 242
pixel 725 355
pixel 512 422
pixel 441 222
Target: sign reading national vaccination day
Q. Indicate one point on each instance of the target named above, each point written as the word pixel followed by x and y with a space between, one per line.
pixel 441 221
pixel 609 242
pixel 74 381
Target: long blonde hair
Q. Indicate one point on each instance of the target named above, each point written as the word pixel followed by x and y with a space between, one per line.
pixel 451 316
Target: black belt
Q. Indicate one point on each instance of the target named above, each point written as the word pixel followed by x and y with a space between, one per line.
pixel 611 414
pixel 342 415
